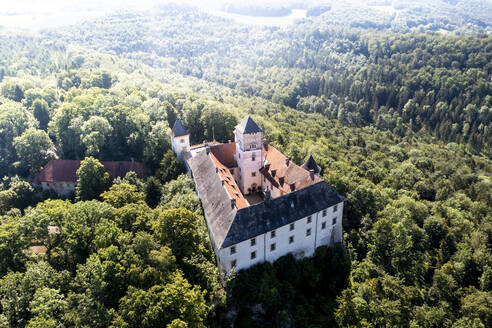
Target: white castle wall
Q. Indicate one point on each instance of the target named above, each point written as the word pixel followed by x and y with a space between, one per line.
pixel 303 245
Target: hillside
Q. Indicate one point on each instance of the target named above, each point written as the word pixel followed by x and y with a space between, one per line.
pixel 396 112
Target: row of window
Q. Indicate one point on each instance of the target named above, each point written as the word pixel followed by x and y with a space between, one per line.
pixel 273 234
pixel 253 156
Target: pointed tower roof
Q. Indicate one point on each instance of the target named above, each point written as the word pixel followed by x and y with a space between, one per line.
pixel 311 164
pixel 248 126
pixel 178 129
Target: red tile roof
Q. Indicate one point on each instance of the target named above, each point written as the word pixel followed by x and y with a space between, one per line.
pixel 285 177
pixel 38 249
pixel 225 154
pixel 229 182
pixel 60 170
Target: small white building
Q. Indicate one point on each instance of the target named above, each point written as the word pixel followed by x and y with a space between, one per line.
pixel 258 204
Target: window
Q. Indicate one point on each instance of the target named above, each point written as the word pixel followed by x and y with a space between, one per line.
pixel 253 255
pixel 233 263
pixel 308 232
pixel 324 212
pixel 182 141
pixel 291 239
pixel 273 234
pixel 335 208
pixel 292 226
pixel 334 221
pixel 323 225
pixel 273 247
pixel 253 174
pixel 233 250
pixel 253 241
pixel 253 158
pixel 232 171
pixel 309 219
pixel 239 155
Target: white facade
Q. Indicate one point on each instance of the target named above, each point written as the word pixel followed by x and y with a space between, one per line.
pixel 249 158
pixel 319 229
pixel 180 145
pixel 64 189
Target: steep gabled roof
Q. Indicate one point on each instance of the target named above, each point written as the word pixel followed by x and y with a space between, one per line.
pixel 215 199
pixel 282 176
pixel 178 129
pixel 311 164
pixel 60 170
pixel 248 126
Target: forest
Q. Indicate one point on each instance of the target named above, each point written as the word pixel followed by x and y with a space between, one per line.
pixel 397 114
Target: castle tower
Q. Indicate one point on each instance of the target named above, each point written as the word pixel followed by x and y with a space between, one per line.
pixel 180 139
pixel 249 155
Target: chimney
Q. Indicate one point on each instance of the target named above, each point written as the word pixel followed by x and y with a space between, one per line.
pixel 268 196
pixel 287 161
pixel 229 141
pixel 311 174
pixel 233 203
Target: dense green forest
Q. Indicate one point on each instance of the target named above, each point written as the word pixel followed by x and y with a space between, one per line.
pixel 396 111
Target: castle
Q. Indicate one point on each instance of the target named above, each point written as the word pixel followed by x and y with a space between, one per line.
pixel 258 204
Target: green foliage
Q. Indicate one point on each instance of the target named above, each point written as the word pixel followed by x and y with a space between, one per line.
pixel 170 167
pixel 41 112
pixel 153 191
pixel 122 194
pixel 300 288
pixel 178 229
pixel 162 304
pixel 14 120
pixel 34 149
pixel 92 179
